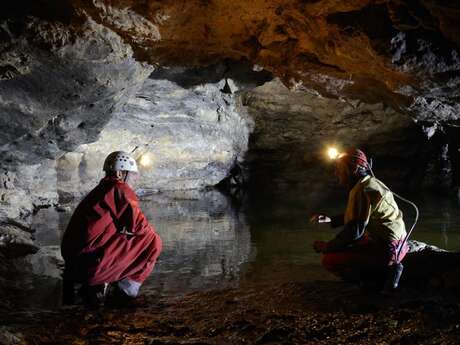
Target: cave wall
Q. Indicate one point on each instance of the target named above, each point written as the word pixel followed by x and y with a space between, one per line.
pixel 69 67
pixel 58 89
pixel 294 129
pixel 71 93
pixel 192 136
pixel 405 52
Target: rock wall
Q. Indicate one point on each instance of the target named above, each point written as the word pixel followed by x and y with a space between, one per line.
pixel 69 67
pixel 293 130
pixel 403 52
pixel 190 136
pixel 58 87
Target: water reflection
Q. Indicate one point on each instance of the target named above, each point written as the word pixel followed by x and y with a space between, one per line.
pixel 204 241
pixel 209 245
pixel 439 222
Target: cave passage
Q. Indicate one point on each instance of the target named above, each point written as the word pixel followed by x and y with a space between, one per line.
pixel 229 107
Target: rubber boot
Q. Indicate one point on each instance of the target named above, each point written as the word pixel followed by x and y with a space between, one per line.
pixel 394 275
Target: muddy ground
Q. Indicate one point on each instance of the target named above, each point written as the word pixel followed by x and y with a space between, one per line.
pixel 293 313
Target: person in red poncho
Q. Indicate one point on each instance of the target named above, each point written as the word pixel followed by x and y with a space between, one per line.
pixel 108 241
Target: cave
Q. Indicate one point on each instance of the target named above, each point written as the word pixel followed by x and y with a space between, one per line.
pixel 229 108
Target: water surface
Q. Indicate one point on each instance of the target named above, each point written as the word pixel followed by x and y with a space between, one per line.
pixel 210 244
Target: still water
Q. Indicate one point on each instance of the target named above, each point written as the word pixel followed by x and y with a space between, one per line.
pixel 211 244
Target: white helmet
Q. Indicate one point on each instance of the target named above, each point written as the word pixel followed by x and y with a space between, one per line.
pixel 120 160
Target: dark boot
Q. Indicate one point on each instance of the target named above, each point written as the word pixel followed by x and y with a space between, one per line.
pixel 393 277
pixel 117 298
pixel 93 296
pixel 68 289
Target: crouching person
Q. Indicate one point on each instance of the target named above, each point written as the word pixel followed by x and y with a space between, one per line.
pixel 108 241
pixel 373 233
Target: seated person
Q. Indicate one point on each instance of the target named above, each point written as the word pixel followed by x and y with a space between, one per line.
pixel 373 228
pixel 108 239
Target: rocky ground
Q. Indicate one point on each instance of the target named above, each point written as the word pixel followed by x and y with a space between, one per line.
pixel 292 313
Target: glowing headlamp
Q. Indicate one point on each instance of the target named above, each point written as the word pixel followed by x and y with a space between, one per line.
pixel 333 153
pixel 146 160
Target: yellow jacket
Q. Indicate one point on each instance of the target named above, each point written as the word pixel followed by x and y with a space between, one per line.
pixel 371 210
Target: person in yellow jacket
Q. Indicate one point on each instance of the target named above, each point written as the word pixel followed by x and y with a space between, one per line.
pixel 373 227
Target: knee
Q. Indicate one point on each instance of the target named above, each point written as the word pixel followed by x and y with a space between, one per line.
pixel 155 247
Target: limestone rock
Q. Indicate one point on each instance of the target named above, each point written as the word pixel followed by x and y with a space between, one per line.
pixel 431 265
pixel 7 180
pixel 417 247
pixel 293 130
pixel 86 73
pixel 15 204
pixel 15 242
pixel 68 68
pixel 47 261
pixel 191 137
pixel 363 49
pixel 66 86
pixel 10 336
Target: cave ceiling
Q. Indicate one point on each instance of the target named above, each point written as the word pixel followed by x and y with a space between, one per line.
pixel 397 52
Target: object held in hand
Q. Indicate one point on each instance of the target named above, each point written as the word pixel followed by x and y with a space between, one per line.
pixel 320 218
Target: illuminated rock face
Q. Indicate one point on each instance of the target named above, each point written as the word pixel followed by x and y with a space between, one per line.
pixel 189 138
pixel 398 51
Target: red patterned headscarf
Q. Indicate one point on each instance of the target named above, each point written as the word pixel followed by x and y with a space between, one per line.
pixel 355 159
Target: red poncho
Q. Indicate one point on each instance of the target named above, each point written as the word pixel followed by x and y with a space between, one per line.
pixel 108 237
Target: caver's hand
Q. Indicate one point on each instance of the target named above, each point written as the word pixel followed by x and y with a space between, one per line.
pixel 319 218
pixel 320 246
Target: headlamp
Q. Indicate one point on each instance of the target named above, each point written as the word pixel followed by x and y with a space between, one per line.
pixel 146 160
pixel 333 153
